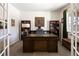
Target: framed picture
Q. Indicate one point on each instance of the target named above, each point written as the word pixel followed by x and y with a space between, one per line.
pixel 39 21
pixel 12 22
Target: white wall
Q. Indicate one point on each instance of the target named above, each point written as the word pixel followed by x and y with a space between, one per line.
pixel 14 13
pixel 55 15
pixel 30 15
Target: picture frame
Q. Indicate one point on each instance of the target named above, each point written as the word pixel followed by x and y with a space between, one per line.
pixel 39 21
pixel 12 22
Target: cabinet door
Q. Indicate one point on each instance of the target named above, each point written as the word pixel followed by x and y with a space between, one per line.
pixel 40 45
pixel 27 45
pixel 52 45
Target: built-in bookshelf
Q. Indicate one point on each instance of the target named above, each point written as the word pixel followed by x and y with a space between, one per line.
pixel 54 27
pixel 25 27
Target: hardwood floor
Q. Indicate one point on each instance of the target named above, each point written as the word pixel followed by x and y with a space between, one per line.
pixel 16 50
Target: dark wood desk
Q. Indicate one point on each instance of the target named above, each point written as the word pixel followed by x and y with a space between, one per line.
pixel 46 42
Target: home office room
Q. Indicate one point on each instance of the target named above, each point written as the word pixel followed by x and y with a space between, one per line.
pixel 43 29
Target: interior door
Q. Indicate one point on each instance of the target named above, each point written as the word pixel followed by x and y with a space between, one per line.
pixel 4 30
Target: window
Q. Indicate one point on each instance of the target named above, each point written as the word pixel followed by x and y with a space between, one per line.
pixel 68 22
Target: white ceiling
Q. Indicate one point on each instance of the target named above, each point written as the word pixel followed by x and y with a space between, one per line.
pixel 39 6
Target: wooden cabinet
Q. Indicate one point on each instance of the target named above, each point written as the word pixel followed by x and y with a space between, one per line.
pixel 54 27
pixel 27 45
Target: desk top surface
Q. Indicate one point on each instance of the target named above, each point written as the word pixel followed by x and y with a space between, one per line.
pixel 41 35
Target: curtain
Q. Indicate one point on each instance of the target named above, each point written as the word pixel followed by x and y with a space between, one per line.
pixel 65 34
